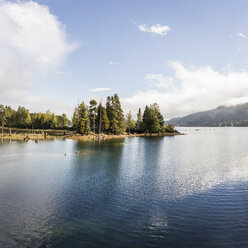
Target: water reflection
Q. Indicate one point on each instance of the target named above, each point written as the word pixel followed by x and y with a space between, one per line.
pixel 136 192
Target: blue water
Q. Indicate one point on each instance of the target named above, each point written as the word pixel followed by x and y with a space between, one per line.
pixel 182 191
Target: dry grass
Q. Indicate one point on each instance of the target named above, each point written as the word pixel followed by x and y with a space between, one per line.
pixel 26 137
pixel 36 137
pixel 112 136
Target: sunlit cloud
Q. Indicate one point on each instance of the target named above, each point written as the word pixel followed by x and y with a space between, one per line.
pixel 32 41
pixel 156 29
pixel 190 90
pixel 100 89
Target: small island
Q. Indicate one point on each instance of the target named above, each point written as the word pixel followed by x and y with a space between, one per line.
pixel 89 122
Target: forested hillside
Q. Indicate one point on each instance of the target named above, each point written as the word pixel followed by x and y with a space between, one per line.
pixel 221 116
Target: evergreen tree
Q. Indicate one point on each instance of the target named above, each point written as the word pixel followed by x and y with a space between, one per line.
pixel 121 127
pixel 112 115
pixel 157 112
pixel 75 118
pixel 92 114
pixel 81 121
pixel 102 121
pixel 53 121
pixel 115 115
pixel 139 121
pixel 23 118
pixel 153 121
pixel 62 121
pixel 2 117
pixel 129 121
pixel 146 120
pixel 10 116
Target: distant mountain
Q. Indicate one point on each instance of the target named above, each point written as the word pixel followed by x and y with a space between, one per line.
pixel 219 117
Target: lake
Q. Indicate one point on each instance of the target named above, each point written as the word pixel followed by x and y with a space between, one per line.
pixel 182 191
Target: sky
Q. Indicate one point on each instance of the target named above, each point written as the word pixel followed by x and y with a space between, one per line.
pixel 187 56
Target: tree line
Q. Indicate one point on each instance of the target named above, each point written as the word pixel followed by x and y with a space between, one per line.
pixel 91 118
pixel 96 118
pixel 22 118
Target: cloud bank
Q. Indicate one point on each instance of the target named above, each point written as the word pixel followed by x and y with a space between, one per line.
pixel 31 40
pixel 191 90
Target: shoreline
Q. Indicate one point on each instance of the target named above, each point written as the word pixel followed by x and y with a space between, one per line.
pixel 38 137
pixel 115 136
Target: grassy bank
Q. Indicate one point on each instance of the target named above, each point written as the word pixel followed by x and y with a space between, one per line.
pixel 27 137
pixel 44 135
pixel 36 134
pixel 112 136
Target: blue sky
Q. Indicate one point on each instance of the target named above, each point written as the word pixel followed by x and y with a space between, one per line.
pixel 203 55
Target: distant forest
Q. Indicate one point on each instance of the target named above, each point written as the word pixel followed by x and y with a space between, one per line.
pixel 91 118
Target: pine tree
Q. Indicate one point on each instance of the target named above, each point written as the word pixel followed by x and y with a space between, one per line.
pixel 153 121
pixel 2 117
pixel 115 115
pixel 129 121
pixel 157 120
pixel 139 122
pixel 102 120
pixel 53 121
pixel 146 120
pixel 112 114
pixel 81 121
pixel 75 118
pixel 64 121
pixel 121 127
pixel 23 118
pixel 92 114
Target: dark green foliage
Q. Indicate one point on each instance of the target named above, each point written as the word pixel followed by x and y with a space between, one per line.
pixel 62 121
pixel 92 114
pixel 115 115
pixel 139 122
pixel 81 121
pixel 112 115
pixel 92 118
pixel 169 128
pixel 102 120
pixel 153 121
pixel 23 118
pixel 130 123
pixel 48 120
pixel 2 116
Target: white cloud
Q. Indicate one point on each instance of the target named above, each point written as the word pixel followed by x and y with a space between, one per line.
pixel 32 40
pixel 191 90
pixel 241 35
pixel 156 29
pixel 160 81
pixel 100 89
pixel 111 63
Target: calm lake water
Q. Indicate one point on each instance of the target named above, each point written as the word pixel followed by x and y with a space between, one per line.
pixel 182 191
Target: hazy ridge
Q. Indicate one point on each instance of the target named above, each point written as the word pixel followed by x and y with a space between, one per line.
pixel 221 116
